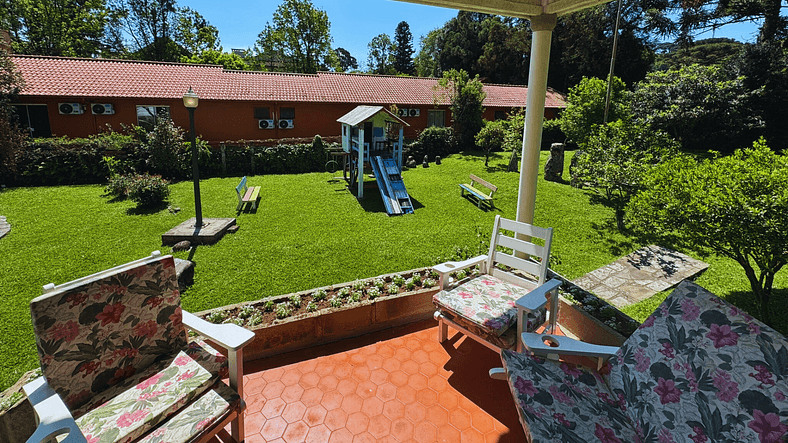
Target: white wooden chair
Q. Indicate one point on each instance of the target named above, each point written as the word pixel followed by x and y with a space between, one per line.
pixel 496 305
pixel 118 365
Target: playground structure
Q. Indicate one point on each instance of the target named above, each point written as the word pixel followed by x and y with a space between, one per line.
pixel 365 141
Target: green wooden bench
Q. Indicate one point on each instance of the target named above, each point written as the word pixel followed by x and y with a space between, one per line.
pixel 480 195
pixel 247 194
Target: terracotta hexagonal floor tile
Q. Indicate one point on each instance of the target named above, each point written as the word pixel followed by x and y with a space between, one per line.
pixel 256 385
pixel 398 378
pixel 460 419
pixel 294 412
pixel 438 383
pixel 394 409
pixel 448 399
pixel 250 438
pixel 273 390
pixel 324 368
pixel 403 430
pixel 417 381
pixel 471 436
pixel 413 344
pixel 310 379
pixel 254 422
pixel 482 422
pixel 374 362
pixel 307 366
pixel 406 394
pixel 365 437
pixel 386 392
pixel 352 403
pixel 343 370
pixel 273 408
pixel 372 406
pixel 366 389
pixel 439 357
pixel 332 400
pixel 402 354
pixel 290 377
pixel 254 402
pixel 273 374
pixel 360 373
pixel 427 397
pixel 391 364
pixel 410 366
pixel 312 396
pixel 357 358
pixel 425 432
pixel 318 434
pixel 296 432
pixel 437 415
pixel 341 436
pixel 448 434
pixel 379 426
pixel 415 412
pixel 328 383
pixel 379 376
pixel 357 422
pixel 315 415
pixel 347 386
pixel 273 428
pixel 292 393
pixel 335 419
pixel 385 350
pixel 420 356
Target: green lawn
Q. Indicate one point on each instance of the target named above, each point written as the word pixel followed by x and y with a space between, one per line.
pixel 309 231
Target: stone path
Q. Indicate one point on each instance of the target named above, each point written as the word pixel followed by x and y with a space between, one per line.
pixel 640 275
pixel 5 227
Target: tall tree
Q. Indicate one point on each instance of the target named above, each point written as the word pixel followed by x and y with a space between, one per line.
pixel 460 42
pixel 298 40
pixel 427 60
pixel 212 57
pixel 194 33
pixel 403 52
pixel 504 56
pixel 73 28
pixel 11 136
pixel 466 95
pixel 345 60
pixel 381 55
pixel 150 25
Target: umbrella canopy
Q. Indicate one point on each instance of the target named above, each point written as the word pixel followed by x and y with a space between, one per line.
pixel 514 8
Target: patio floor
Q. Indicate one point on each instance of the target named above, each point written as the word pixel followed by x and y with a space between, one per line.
pixel 397 385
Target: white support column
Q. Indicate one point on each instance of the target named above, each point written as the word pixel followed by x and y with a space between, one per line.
pixel 399 153
pixel 542 27
pixel 360 161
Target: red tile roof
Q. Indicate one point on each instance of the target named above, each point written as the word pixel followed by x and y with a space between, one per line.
pixel 77 77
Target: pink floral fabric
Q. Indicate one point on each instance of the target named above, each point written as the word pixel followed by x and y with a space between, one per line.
pixel 697 370
pixel 99 332
pixel 486 306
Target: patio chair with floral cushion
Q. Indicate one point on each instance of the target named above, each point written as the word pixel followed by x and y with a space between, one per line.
pixel 118 365
pixel 507 296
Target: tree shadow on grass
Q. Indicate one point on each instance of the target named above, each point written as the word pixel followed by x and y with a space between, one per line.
pixel 779 303
pixel 147 210
pixel 373 202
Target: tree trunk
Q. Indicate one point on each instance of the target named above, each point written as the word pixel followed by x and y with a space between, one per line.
pixel 761 294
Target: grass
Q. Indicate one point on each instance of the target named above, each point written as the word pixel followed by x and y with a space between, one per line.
pixel 309 231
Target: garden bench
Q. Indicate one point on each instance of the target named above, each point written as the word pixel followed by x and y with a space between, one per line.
pixel 480 195
pixel 247 194
pixel 119 367
pixel 698 369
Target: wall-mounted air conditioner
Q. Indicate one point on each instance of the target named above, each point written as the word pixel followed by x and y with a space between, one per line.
pixel 265 124
pixel 414 112
pixel 286 124
pixel 102 109
pixel 402 112
pixel 69 108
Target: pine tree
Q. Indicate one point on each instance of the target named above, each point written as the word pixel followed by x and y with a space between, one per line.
pixel 403 54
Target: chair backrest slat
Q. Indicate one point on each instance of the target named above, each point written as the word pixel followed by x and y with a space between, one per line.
pixel 520 243
pixel 528 266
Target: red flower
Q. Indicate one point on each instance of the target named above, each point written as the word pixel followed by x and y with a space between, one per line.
pixel 149 382
pixel 154 302
pixel 767 426
pixel 78 398
pixel 525 386
pixel 700 436
pixel 177 317
pixel 605 435
pixel 121 374
pixel 186 375
pixel 147 329
pixel 76 299
pixel 111 314
pixel 88 367
pixel 667 391
pixel 129 418
pixel 571 370
pixel 67 331
pixel 722 336
pixel 182 360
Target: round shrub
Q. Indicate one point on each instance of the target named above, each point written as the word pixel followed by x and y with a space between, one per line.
pixel 148 190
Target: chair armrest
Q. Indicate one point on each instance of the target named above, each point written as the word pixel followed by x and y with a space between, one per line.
pixel 231 337
pixel 537 298
pixel 560 345
pixel 452 266
pixel 53 416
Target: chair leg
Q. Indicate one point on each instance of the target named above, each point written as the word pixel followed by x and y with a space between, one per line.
pixel 443 331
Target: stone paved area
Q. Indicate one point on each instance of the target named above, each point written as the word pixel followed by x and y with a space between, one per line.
pixel 5 227
pixel 640 275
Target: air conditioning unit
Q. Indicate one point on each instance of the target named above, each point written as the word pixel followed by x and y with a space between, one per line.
pixel 403 112
pixel 414 112
pixel 286 124
pixel 102 109
pixel 265 124
pixel 69 108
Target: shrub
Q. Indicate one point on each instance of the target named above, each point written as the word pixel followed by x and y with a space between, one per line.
pixel 255 319
pixel 491 138
pixel 295 300
pixel 164 149
pixel 373 293
pixel 118 186
pixel 148 190
pixel 283 310
pixel 319 295
pixel 311 307
pixel 216 317
pixel 269 306
pixel 434 141
pixel 246 311
pixel 344 292
pixel 335 302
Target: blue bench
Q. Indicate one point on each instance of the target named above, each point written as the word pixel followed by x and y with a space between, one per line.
pixel 481 196
pixel 247 194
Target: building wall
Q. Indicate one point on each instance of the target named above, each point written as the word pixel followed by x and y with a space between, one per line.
pixel 217 120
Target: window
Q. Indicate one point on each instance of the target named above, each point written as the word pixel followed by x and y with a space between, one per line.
pixel 262 113
pixel 147 115
pixel 436 117
pixel 34 119
pixel 500 115
pixel 287 113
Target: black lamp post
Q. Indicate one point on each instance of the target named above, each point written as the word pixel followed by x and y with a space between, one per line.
pixel 190 100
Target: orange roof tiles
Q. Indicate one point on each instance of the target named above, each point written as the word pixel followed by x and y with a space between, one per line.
pixel 76 77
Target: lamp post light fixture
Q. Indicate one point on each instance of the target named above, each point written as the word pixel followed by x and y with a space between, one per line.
pixel 190 101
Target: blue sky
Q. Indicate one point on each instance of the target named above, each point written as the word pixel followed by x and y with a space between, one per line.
pixel 354 23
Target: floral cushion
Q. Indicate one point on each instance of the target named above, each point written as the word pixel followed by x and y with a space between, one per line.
pixel 701 369
pixel 565 403
pixel 158 393
pixel 486 305
pixel 95 333
pixel 506 340
pixel 189 423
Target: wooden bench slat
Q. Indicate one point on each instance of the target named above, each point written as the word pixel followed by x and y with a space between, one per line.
pixel 480 195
